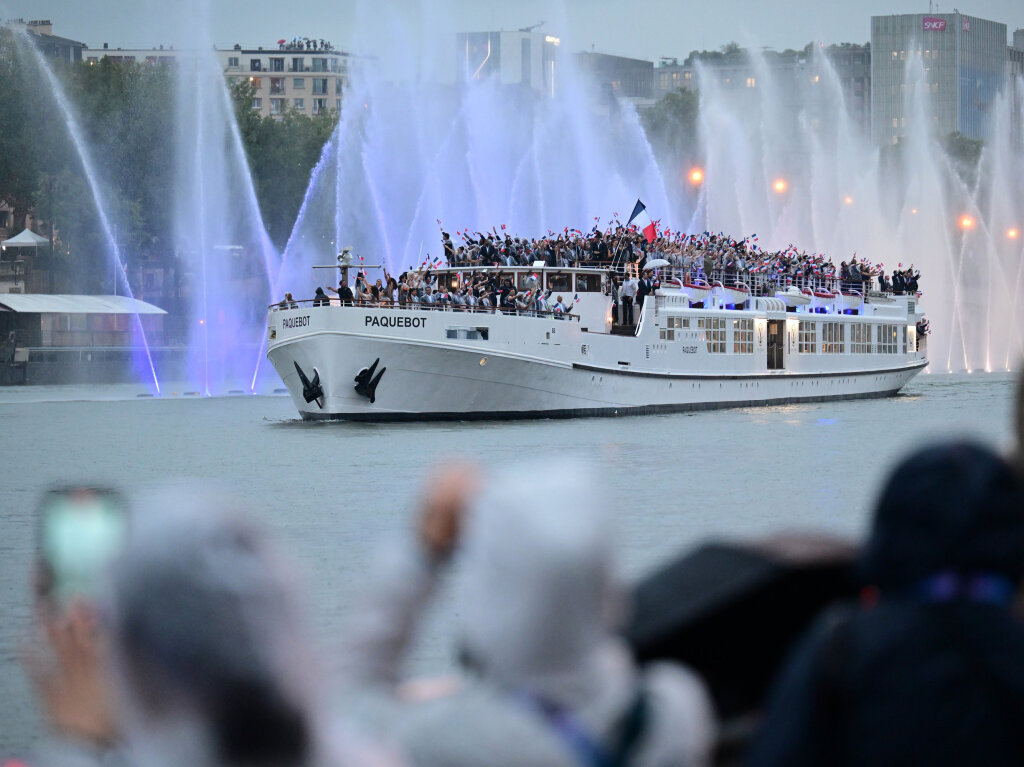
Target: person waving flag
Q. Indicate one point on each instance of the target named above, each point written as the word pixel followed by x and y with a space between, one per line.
pixel 643 221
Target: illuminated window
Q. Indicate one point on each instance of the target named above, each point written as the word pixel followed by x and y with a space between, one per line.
pixel 714 333
pixel 743 336
pixel 860 338
pixel 887 339
pixel 751 82
pixel 832 338
pixel 807 338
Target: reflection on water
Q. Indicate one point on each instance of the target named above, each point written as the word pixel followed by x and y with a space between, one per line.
pixel 332 490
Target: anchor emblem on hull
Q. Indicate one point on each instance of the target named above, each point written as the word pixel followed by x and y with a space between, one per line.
pixel 312 391
pixel 366 381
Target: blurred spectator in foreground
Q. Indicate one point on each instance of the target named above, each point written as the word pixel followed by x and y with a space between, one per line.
pixel 1019 454
pixel 929 669
pixel 546 682
pixel 210 657
pixel 80 530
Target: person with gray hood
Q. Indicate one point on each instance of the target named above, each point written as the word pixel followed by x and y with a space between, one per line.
pixel 545 681
pixel 209 656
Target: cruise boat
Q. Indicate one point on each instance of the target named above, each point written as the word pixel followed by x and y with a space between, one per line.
pixel 695 345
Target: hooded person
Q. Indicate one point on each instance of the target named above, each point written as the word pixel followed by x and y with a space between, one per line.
pixel 544 680
pixel 929 669
pixel 209 657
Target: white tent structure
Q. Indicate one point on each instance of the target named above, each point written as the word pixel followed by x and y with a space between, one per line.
pixel 26 239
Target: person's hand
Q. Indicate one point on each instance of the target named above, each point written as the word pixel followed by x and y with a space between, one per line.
pixel 444 507
pixel 71 683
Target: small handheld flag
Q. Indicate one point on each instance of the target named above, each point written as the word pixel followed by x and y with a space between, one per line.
pixel 643 221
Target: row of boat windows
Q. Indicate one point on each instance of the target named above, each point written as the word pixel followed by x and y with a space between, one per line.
pixel 889 339
pixel 833 338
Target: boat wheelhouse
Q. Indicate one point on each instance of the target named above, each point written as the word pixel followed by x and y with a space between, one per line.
pixel 695 345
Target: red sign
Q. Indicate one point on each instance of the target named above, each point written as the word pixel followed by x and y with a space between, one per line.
pixel 932 24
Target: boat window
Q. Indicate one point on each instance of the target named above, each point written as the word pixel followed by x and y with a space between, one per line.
pixel 832 338
pixel 468 334
pixel 527 280
pixel 588 283
pixel 449 280
pixel 714 333
pixel 807 338
pixel 559 281
pixel 860 338
pixel 743 336
pixel 887 339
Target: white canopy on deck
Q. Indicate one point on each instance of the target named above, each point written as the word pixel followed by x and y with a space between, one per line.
pixel 41 303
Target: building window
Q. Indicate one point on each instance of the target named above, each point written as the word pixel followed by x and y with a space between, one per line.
pixel 277 65
pixel 320 86
pixel 277 106
pixel 257 103
pixel 887 339
pixel 255 65
pixel 299 83
pixel 256 82
pixel 807 338
pixel 935 87
pixel 232 62
pixel 903 55
pixel 319 65
pixel 895 122
pixel 276 85
pixel 832 338
pixel 743 336
pixel 298 64
pixel 319 105
pixel 338 86
pixel 337 104
pixel 299 103
pixel 860 338
pixel 714 333
pixel 894 56
pixel 751 82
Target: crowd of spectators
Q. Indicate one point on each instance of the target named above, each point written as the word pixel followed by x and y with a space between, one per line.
pixel 178 636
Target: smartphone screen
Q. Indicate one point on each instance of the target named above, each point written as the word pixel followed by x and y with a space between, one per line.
pixel 80 531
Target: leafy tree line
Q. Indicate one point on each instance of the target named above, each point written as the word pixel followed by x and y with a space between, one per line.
pixel 126 113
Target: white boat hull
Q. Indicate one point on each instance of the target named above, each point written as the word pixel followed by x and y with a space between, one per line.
pixel 535 367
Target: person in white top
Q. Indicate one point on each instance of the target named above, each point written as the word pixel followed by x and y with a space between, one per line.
pixel 627 293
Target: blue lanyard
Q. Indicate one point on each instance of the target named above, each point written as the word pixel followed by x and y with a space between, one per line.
pixel 568 728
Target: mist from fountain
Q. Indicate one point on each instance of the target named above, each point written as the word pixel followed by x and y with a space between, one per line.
pixel 219 236
pixel 841 196
pixel 410 153
pixel 144 360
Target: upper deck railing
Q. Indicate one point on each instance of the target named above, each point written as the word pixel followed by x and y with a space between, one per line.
pixel 317 303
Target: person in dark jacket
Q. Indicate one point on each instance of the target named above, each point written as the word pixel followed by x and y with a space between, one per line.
pixel 929 669
pixel 321 298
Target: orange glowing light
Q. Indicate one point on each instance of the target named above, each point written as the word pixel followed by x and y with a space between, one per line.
pixel 966 222
pixel 780 185
pixel 913 211
pixel 696 176
pixel 848 200
pixel 1013 234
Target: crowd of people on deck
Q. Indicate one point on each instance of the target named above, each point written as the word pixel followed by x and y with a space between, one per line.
pixel 706 255
pixel 621 250
pixel 176 635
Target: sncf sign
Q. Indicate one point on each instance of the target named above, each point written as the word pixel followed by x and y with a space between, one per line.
pixel 931 24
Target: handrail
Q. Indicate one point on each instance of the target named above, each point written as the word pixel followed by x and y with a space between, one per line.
pixel 417 306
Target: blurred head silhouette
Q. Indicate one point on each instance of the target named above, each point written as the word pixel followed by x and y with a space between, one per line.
pixel 950 508
pixel 209 659
pixel 538 589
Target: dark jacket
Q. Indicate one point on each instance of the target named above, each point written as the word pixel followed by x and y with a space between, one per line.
pixel 901 684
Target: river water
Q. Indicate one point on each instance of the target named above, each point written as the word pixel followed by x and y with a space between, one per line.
pixel 333 491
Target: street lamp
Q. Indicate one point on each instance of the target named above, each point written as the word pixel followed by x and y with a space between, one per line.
pixel 780 186
pixel 966 223
pixel 696 176
pixel 1012 233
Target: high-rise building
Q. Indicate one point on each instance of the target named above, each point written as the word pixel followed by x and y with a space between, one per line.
pixel 964 63
pixel 523 57
pixel 618 76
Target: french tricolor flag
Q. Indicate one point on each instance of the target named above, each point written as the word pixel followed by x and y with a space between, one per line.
pixel 643 221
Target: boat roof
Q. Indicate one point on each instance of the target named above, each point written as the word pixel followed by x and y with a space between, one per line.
pixel 43 303
pixel 581 269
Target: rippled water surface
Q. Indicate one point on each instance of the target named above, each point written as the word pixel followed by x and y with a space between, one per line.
pixel 332 491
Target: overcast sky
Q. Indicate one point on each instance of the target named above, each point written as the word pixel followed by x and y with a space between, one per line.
pixel 640 28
